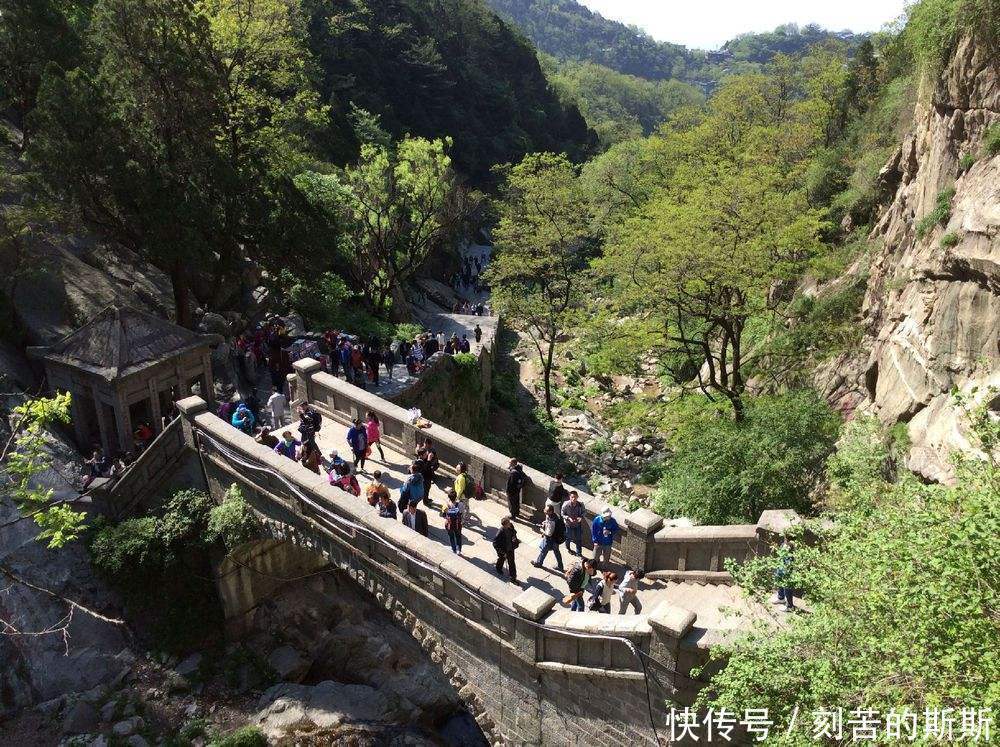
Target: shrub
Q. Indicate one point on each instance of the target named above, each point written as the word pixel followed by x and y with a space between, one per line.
pixel 949 240
pixel 407 331
pixel 901 592
pixel 247 736
pixel 726 472
pixel 991 139
pixel 965 162
pixel 184 518
pixel 232 522
pixel 131 551
pixel 939 215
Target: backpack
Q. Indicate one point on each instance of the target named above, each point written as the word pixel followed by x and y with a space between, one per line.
pixel 453 519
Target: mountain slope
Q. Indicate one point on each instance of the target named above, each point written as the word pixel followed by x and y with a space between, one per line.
pixel 441 67
pixel 569 31
pixel 932 307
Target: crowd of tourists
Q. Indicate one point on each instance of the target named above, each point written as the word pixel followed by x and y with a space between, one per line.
pixel 593 583
pixel 467 280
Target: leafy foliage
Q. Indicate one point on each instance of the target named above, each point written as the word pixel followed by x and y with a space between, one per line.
pixel 903 594
pixel 396 205
pixel 725 472
pixel 991 140
pixel 950 239
pixel 618 106
pixel 232 522
pixel 541 245
pixel 25 458
pixel 432 68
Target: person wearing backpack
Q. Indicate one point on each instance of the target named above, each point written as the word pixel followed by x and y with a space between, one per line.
pixel 463 486
pixel 578 579
pixel 452 514
pixel 516 480
pixel 553 534
pixel 310 422
pixel 413 488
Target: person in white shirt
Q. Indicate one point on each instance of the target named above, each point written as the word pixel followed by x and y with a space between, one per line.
pixel 628 590
pixel 440 340
pixel 276 405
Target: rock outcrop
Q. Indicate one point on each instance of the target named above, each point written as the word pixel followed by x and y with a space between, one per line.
pixel 932 307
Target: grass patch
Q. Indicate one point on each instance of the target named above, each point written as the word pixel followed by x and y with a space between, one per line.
pixel 949 240
pixel 939 215
pixel 965 162
pixel 991 139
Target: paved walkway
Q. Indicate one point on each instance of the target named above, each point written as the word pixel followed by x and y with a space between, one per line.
pixel 715 605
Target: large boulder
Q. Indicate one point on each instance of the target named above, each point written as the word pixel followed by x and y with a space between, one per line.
pixel 287 709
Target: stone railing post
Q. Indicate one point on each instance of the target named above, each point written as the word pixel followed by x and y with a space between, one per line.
pixel 304 370
pixel 531 604
pixel 670 624
pixel 190 408
pixel 637 544
pixel 772 525
pixel 291 383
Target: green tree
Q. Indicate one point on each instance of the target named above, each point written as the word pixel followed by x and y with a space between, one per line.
pixel 704 262
pixel 179 134
pixel 397 204
pixel 727 472
pixel 538 271
pixel 33 35
pixel 904 597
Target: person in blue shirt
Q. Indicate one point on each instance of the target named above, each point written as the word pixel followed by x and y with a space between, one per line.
pixel 357 437
pixel 602 532
pixel 288 446
pixel 243 419
pixel 413 488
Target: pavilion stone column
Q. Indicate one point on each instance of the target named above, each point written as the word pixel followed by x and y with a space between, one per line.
pixel 190 408
pixel 533 605
pixel 305 369
pixel 637 544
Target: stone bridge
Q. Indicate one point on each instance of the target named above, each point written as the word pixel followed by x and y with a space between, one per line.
pixel 530 671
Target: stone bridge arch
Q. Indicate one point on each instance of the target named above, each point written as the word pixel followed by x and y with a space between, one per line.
pixel 528 673
pixel 261 568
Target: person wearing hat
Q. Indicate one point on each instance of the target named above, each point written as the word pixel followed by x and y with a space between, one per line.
pixel 602 532
pixel 415 518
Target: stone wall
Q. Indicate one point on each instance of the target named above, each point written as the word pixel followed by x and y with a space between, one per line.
pixel 530 675
pixel 145 477
pixel 450 396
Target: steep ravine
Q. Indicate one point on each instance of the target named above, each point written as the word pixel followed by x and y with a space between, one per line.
pixel 931 312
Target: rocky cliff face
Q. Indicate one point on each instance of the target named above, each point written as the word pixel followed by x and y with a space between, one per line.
pixel 932 308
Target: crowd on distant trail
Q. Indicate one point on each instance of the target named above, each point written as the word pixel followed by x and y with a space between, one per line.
pixel 270 345
pixel 467 281
pixel 593 582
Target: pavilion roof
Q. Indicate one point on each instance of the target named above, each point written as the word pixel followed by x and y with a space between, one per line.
pixel 120 341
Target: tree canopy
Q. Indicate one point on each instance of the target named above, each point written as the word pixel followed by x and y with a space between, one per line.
pixel 537 274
